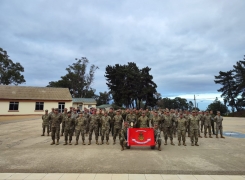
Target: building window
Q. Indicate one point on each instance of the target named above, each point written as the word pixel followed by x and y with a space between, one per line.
pixel 39 105
pixel 14 106
pixel 61 106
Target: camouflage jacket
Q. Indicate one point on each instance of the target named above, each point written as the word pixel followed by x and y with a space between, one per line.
pixel 157 135
pixel 143 121
pixel 156 120
pixel 69 123
pixel 207 120
pixel 55 119
pixel 131 118
pixel 45 119
pixel 168 121
pixel 94 120
pixel 193 122
pixel 105 122
pixel 181 124
pixel 111 114
pixel 218 120
pixel 80 123
pixel 118 120
pixel 124 134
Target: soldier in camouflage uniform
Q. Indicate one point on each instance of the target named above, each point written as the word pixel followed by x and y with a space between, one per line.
pixel 156 119
pixel 117 120
pixel 124 136
pixel 50 125
pixel 168 127
pixel 174 124
pixel 219 127
pixel 111 114
pixel 45 123
pixel 143 121
pixel 74 115
pixel 200 117
pixel 69 123
pixel 181 125
pixel 207 124
pixel 100 124
pixel 131 119
pixel 193 122
pixel 80 127
pixel 105 122
pixel 187 115
pixel 157 137
pixel 86 115
pixel 64 115
pixel 212 122
pixel 202 121
pixel 56 120
pixel 93 126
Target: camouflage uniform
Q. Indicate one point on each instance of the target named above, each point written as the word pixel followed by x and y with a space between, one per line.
pixel 86 115
pixel 168 128
pixel 219 127
pixel 174 123
pixel 181 125
pixel 45 124
pixel 156 120
pixel 105 124
pixel 118 120
pixel 100 124
pixel 69 123
pixel 157 137
pixel 193 124
pixel 93 126
pixel 111 114
pixel 123 137
pixel 212 123
pixel 207 125
pixel 55 127
pixel 80 128
pixel 143 121
pixel 64 115
pixel 74 115
pixel 131 119
pixel 202 121
pixel 50 122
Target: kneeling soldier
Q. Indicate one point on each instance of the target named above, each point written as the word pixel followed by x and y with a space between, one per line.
pixel 80 127
pixel 69 123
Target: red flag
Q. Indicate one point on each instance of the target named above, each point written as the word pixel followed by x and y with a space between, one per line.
pixel 141 136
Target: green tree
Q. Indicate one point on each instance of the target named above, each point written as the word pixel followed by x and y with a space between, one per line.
pixel 77 79
pixel 190 106
pixel 10 72
pixel 217 105
pixel 103 98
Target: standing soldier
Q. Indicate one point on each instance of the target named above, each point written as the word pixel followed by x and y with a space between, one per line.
pixel 200 117
pixel 202 121
pixel 111 114
pixel 55 119
pixel 181 125
pixel 50 125
pixel 174 124
pixel 131 119
pixel 45 123
pixel 105 122
pixel 212 122
pixel 69 123
pixel 117 120
pixel 80 127
pixel 207 124
pixel 219 127
pixel 124 136
pixel 143 121
pixel 100 125
pixel 157 136
pixel 93 126
pixel 74 115
pixel 168 127
pixel 193 124
pixel 86 115
pixel 156 119
pixel 187 116
pixel 64 115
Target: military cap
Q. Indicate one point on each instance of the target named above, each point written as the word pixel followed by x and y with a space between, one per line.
pixel 46 110
pixel 56 109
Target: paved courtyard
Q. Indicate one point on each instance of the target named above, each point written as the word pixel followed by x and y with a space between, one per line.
pixel 23 150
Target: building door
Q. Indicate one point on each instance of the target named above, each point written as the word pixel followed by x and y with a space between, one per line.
pixel 61 107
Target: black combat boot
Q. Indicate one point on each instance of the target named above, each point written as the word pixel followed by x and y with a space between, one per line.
pixel 70 143
pixel 52 142
pixel 57 143
pixel 210 136
pixel 172 143
pixel 159 148
pixel 84 143
pixel 65 143
pixel 107 142
pixel 114 141
pixel 196 144
pixel 222 136
pixel 192 143
pixel 89 142
pixel 179 143
pixel 184 143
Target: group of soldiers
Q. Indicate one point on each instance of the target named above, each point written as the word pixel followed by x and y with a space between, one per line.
pixel 102 123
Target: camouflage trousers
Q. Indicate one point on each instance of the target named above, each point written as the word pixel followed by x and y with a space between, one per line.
pixel 219 129
pixel 105 133
pixel 194 135
pixel 99 129
pixel 46 127
pixel 112 128
pixel 168 132
pixel 209 130
pixel 202 124
pixel 213 127
pixel 55 133
pixel 181 135
pixel 95 129
pixel 159 142
pixel 174 129
pixel 68 132
pixel 188 130
pixel 116 132
pixel 62 128
pixel 82 132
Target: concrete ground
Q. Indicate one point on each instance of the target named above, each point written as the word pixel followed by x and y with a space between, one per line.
pixel 23 150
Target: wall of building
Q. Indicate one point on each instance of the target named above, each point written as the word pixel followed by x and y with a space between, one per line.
pixel 28 107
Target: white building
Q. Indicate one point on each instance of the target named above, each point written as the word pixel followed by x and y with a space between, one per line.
pixel 83 103
pixel 25 100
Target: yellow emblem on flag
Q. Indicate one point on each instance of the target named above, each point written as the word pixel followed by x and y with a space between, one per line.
pixel 141 136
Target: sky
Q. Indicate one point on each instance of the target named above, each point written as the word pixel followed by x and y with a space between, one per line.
pixel 185 43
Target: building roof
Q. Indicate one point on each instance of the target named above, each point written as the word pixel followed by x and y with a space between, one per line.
pixel 84 100
pixel 34 93
pixel 104 106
